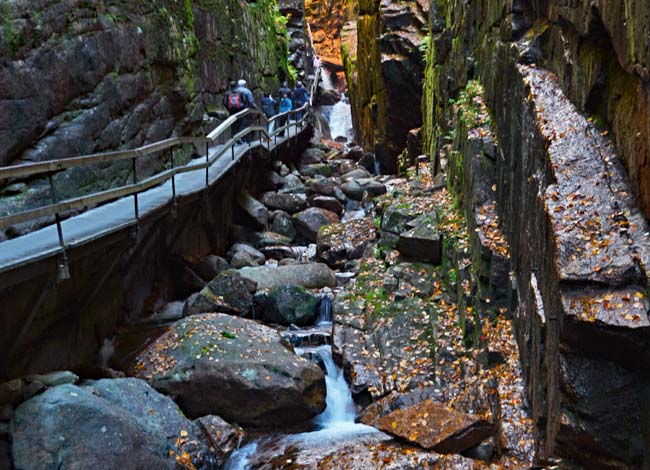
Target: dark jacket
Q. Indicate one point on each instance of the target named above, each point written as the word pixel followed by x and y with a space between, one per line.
pixel 300 96
pixel 268 106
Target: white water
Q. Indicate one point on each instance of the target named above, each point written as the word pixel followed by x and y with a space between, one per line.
pixel 107 350
pixel 340 120
pixel 336 422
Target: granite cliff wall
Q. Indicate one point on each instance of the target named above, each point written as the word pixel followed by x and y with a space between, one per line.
pixel 80 77
pixel 540 110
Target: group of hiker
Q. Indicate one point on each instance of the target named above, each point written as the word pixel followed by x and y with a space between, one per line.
pixel 240 97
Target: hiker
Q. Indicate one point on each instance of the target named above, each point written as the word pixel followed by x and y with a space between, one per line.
pixel 234 101
pixel 284 89
pixel 268 108
pixel 299 97
pixel 250 103
pixel 285 105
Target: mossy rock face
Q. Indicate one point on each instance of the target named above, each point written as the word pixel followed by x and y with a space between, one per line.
pixel 287 305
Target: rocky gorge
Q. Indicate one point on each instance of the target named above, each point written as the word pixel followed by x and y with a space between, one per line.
pixel 466 288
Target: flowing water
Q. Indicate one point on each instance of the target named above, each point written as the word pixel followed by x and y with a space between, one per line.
pixel 335 424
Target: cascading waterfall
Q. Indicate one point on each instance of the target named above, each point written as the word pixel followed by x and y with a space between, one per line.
pixel 340 121
pixel 325 311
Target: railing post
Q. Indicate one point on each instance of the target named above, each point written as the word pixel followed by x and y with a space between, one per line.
pixel 63 268
pixel 171 159
pixel 207 162
pixel 136 209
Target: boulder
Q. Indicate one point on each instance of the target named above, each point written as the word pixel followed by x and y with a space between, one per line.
pixel 242 259
pixel 315 169
pixel 355 174
pixel 246 248
pixel 292 184
pixel 396 217
pixel 329 203
pixel 111 423
pixel 287 202
pixel 257 211
pixel 309 221
pixel 322 186
pixel 287 305
pixel 283 224
pixel 210 266
pixel 275 180
pixel 310 275
pixel 228 292
pixel 338 243
pixel 235 368
pixel 312 155
pixel 423 242
pixel 353 190
pixel 373 186
pixel 53 379
pixel 264 239
pixel 431 425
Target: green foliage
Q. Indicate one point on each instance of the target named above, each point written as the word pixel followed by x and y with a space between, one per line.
pixel 227 334
pixel 470 105
pixel 424 46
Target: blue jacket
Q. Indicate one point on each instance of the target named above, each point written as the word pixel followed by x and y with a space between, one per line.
pixel 300 96
pixel 250 99
pixel 285 105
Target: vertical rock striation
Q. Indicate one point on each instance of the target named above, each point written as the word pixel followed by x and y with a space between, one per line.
pixel 566 90
pixel 384 66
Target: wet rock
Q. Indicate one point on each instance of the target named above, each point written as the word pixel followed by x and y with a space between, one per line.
pixel 257 255
pixel 235 368
pixel 338 243
pixel 423 242
pixel 373 186
pixel 310 275
pixel 327 202
pixel 290 203
pixel 322 186
pixel 396 217
pixel 309 221
pixel 210 266
pixel 287 305
pixel 355 174
pixel 434 426
pixel 310 171
pixel 53 379
pixel 293 184
pixel 283 224
pixel 353 190
pixel 242 259
pixel 311 156
pixel 221 436
pixel 228 292
pixel 11 393
pixel 264 239
pixel 71 426
pixel 257 211
pixel 275 180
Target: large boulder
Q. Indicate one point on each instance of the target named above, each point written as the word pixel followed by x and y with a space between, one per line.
pixel 111 423
pixel 287 305
pixel 210 266
pixel 329 203
pixel 396 217
pixel 338 243
pixel 310 275
pixel 287 202
pixel 309 221
pixel 235 368
pixel 229 292
pixel 254 253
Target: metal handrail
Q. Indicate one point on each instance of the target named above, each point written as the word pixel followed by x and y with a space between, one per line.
pixel 52 167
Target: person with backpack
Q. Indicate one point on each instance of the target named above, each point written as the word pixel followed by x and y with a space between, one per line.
pixel 299 97
pixel 250 103
pixel 268 108
pixel 285 105
pixel 234 101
